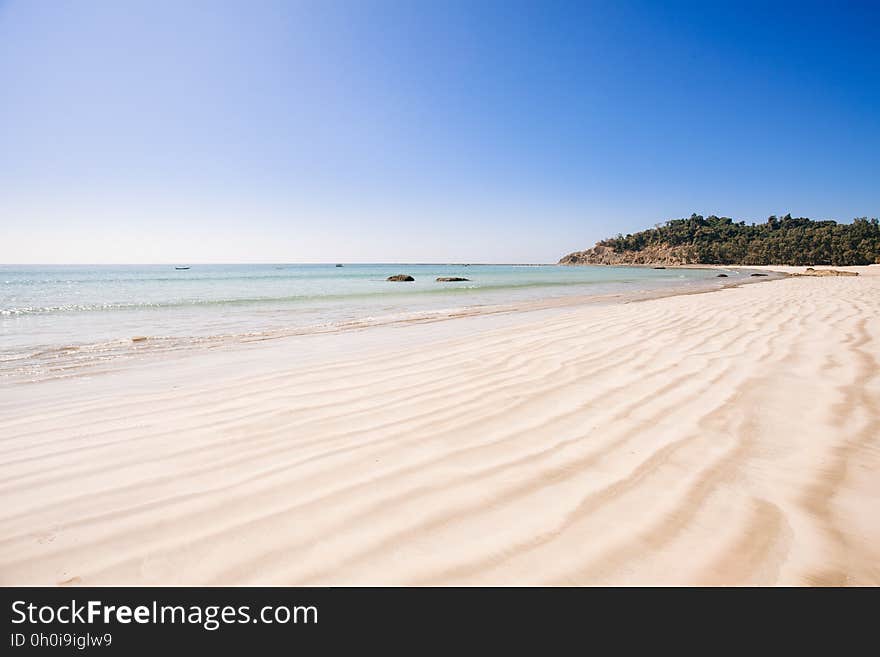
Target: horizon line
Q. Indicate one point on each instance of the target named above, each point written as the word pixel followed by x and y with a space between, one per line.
pixel 261 262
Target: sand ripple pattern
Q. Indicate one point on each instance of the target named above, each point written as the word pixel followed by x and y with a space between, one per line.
pixel 729 438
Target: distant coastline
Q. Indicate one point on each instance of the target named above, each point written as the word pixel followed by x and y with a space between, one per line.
pixel 722 241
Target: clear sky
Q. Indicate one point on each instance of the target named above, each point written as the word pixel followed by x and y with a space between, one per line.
pixel 169 131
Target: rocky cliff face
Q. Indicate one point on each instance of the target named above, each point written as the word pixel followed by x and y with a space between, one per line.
pixel 652 255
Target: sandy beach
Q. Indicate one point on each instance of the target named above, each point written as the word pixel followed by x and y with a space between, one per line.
pixel 722 438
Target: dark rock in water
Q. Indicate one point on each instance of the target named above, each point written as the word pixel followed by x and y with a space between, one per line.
pixel 338 265
pixel 400 278
pixel 451 279
pixel 757 274
pixel 658 267
pixel 721 276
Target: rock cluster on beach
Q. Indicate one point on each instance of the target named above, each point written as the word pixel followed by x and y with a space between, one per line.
pixel 451 279
pixel 826 272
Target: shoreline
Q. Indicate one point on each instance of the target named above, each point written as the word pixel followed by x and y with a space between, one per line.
pixel 62 361
pixel 726 438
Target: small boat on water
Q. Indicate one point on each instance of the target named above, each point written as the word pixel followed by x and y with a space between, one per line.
pixel 181 268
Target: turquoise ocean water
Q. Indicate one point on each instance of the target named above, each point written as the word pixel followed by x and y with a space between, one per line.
pixel 58 317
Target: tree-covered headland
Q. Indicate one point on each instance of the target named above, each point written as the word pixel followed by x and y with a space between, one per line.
pixel 721 240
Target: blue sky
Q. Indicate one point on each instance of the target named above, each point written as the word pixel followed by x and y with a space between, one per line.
pixel 421 131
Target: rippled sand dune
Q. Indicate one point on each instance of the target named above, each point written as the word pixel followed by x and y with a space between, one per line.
pixel 731 437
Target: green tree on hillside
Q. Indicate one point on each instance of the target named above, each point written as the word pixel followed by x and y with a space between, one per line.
pixel 789 240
